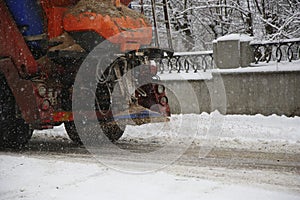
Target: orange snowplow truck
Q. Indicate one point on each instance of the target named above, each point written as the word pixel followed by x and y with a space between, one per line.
pixel 43 44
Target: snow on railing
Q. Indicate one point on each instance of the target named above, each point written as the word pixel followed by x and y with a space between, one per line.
pixel 187 61
pixel 266 51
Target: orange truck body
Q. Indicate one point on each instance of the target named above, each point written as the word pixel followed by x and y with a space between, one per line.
pixel 25 74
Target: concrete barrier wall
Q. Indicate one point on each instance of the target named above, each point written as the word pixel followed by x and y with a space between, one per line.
pixel 243 93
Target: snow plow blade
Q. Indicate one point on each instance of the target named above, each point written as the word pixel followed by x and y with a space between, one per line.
pixel 138 115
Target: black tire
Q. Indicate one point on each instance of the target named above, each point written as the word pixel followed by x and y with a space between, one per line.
pixel 14 132
pixel 112 131
pixel 103 105
pixel 72 132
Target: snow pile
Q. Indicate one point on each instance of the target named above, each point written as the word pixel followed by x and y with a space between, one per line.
pixel 273 133
pixel 258 133
pixel 57 133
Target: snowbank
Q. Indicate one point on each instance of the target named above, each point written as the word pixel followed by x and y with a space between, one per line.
pixel 260 133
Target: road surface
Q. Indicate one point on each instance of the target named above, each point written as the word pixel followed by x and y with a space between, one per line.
pixel 232 165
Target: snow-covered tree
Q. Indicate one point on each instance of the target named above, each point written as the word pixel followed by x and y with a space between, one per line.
pixel 195 23
pixel 280 18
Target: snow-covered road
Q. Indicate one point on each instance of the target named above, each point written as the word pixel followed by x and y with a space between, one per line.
pixel 40 178
pixel 253 157
pixel 25 177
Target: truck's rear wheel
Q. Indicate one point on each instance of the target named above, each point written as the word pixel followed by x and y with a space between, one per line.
pixel 14 132
pixel 72 132
pixel 112 131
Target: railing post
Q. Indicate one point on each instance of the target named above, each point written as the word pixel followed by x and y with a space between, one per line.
pixel 233 51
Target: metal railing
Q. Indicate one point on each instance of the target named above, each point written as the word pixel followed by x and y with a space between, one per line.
pixel 187 61
pixel 283 50
pixel 264 51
